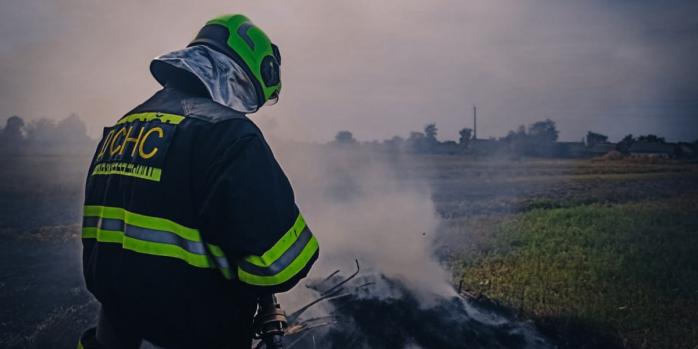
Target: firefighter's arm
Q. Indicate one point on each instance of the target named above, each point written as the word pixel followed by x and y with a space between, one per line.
pixel 251 212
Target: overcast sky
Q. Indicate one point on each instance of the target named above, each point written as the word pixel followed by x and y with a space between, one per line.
pixel 379 68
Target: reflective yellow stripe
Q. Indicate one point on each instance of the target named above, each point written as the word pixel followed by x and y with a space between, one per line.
pixel 289 255
pixel 89 233
pixel 128 169
pixel 226 273
pixel 276 251
pixel 286 274
pixel 150 116
pixel 151 235
pixel 147 247
pixel 218 254
pixel 215 250
pixel 142 221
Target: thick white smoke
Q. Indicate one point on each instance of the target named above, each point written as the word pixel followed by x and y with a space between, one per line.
pixel 362 207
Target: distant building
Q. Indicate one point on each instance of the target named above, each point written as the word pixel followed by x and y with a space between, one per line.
pixel 600 149
pixel 687 150
pixel 543 150
pixel 448 147
pixel 593 138
pixel 571 149
pixel 486 146
pixel 661 150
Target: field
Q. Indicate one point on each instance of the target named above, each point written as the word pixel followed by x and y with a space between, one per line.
pixel 44 304
pixel 598 254
pixel 626 272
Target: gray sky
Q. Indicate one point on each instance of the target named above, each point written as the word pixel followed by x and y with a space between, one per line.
pixel 379 68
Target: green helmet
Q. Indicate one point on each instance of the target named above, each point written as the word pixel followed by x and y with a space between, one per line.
pixel 236 37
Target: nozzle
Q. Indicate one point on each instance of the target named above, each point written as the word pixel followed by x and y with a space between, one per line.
pixel 270 322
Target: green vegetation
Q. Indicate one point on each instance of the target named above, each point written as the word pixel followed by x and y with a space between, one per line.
pixel 599 275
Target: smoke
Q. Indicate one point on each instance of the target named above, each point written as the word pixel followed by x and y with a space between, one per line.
pixel 362 207
pixel 377 208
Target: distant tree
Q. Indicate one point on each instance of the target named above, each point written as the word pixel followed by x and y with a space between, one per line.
pixel 537 140
pixel 651 139
pixel 543 131
pixel 46 136
pixel 521 131
pixel 14 130
pixel 374 144
pixel 344 137
pixel 42 133
pixel 394 143
pixel 12 137
pixel 466 135
pixel 595 138
pixel 516 140
pixel 430 132
pixel 624 145
pixel 415 136
pixel 417 142
pixel 72 130
pixel 519 134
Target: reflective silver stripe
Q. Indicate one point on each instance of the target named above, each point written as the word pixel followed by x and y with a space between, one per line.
pixel 145 234
pixel 111 224
pixel 154 235
pixel 284 261
pixel 90 222
pixel 222 262
pixel 164 237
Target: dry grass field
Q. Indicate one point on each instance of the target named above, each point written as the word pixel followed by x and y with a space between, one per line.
pixel 599 254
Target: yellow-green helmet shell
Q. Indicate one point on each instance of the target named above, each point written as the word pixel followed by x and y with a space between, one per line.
pixel 238 38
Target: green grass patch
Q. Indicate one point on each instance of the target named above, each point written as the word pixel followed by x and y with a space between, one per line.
pixel 627 272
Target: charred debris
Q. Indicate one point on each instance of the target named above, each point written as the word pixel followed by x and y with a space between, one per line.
pixel 376 311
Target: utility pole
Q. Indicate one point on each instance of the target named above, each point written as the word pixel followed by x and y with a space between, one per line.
pixel 474 122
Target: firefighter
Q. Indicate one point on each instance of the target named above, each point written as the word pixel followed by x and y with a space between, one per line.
pixel 188 218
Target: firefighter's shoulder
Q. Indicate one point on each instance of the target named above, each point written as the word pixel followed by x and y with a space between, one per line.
pixel 209 111
pixel 225 123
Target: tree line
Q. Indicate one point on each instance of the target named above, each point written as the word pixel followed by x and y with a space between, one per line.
pixel 44 136
pixel 537 139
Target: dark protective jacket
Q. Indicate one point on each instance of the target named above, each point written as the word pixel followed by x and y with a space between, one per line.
pixel 187 218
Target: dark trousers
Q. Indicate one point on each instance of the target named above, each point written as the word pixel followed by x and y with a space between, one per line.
pixel 110 338
pixel 106 336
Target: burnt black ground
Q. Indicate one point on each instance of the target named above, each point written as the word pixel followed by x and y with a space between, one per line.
pixel 43 300
pixel 403 320
pixel 46 306
pixel 44 303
